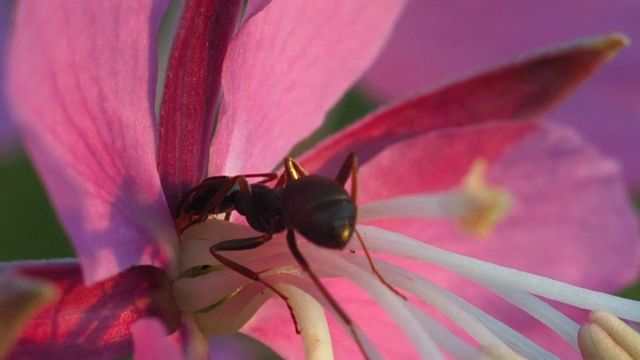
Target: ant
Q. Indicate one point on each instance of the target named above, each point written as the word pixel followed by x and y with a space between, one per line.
pixel 317 207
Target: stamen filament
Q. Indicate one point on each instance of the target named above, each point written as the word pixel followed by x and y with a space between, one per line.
pixel 311 321
pixel 396 244
pixel 328 262
pixel 537 308
pixel 489 332
pixel 449 341
pixel 309 288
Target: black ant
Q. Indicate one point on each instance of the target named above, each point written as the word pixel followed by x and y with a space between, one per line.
pixel 317 207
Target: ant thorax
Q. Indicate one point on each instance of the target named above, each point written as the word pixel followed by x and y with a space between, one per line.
pixel 264 213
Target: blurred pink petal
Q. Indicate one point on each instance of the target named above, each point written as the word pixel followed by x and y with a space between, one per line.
pixel 434 41
pixel 151 341
pixel 92 322
pixel 82 88
pixel 281 77
pixel 8 135
pixel 519 90
pixel 191 93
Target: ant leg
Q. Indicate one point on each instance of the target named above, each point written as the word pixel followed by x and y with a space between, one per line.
pixel 293 246
pixel 374 269
pixel 245 244
pixel 241 244
pixel 350 166
pixel 293 170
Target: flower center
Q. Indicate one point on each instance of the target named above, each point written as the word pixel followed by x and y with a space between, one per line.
pixel 220 299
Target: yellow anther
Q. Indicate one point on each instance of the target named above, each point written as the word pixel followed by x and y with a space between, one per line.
pixel 479 205
pixel 607 337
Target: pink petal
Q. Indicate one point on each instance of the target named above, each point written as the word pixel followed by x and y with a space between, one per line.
pixel 285 69
pixel 8 136
pixel 272 326
pixel 191 93
pixel 571 219
pixel 518 90
pixel 438 160
pixel 434 41
pixel 82 82
pixel 93 322
pixel 151 341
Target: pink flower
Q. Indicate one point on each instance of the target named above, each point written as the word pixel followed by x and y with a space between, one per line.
pixel 82 84
pixel 435 41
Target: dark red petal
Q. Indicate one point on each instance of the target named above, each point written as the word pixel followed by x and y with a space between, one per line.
pixel 21 299
pixel 191 93
pixel 93 322
pixel 519 90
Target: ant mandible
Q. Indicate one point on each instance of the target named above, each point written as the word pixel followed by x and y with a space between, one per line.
pixel 317 207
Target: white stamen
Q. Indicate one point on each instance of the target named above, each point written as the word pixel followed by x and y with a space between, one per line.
pixel 311 289
pixel 327 261
pixel 392 243
pixel 489 332
pixel 537 308
pixel 311 322
pixel 476 206
pixel 484 326
pixel 449 341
